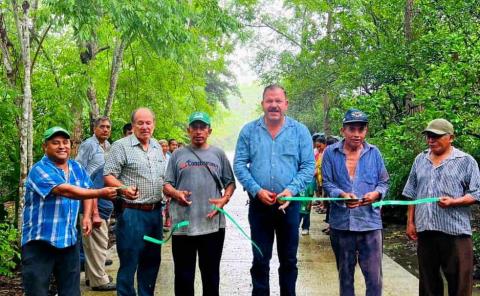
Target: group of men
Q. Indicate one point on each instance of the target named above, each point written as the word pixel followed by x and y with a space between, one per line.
pixel 273 160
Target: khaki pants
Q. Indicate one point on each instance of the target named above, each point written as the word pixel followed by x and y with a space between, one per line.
pixel 95 249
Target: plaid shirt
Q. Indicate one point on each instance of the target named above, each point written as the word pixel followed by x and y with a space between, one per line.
pixel 455 176
pixel 128 162
pixel 48 217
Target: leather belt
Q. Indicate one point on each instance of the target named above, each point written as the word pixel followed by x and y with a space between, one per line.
pixel 143 207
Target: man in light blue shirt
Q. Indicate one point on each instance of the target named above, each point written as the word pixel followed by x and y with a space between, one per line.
pixel 274 158
pixel 354 170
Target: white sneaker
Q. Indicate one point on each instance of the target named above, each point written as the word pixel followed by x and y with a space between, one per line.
pixel 305 232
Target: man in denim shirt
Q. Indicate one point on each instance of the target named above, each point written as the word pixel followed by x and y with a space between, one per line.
pixel 274 158
pixel 354 170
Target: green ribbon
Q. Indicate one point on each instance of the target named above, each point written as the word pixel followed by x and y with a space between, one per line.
pixel 161 242
pixel 238 227
pixel 405 202
pixel 306 198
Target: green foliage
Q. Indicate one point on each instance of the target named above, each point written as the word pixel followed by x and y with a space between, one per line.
pixel 366 61
pixel 9 253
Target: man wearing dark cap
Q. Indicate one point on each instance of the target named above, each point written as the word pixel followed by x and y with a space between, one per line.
pixel 443 229
pixel 53 189
pixel 354 170
pixel 196 176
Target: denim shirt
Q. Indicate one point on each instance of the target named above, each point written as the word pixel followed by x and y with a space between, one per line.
pixel 371 175
pixel 285 162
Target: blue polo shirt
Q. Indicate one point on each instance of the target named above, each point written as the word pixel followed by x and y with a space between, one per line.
pixel 48 217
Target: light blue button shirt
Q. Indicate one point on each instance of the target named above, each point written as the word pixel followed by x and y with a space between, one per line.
pixel 285 162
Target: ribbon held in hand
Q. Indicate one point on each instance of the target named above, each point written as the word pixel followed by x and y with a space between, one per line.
pixel 306 198
pixel 161 242
pixel 239 228
pixel 405 202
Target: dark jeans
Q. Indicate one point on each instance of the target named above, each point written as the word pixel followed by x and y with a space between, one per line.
pixel 306 220
pixel 135 254
pixel 40 259
pixel 265 223
pixel 209 248
pixel 453 255
pixel 363 247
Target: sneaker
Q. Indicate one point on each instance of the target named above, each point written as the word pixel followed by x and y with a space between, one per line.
pixel 305 232
pixel 107 287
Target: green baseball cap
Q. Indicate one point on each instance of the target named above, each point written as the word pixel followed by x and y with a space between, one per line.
pixel 49 133
pixel 199 116
pixel 439 126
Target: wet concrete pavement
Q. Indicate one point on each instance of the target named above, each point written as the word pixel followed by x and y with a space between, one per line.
pixel 317 270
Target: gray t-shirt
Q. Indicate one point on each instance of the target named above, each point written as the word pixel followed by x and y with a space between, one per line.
pixel 186 172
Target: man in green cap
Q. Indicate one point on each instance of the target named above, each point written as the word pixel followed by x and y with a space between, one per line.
pixel 198 176
pixel 443 229
pixel 53 189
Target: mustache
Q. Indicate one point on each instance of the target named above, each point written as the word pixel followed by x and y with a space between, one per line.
pixel 273 109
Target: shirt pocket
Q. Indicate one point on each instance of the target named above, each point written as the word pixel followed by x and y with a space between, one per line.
pixel 289 149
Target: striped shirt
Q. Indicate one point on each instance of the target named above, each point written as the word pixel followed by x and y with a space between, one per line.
pixel 91 154
pixel 48 217
pixel 455 177
pixel 129 163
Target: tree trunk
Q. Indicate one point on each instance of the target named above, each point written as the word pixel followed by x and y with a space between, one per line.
pixel 94 110
pixel 26 121
pixel 116 64
pixel 407 25
pixel 77 133
pixel 326 95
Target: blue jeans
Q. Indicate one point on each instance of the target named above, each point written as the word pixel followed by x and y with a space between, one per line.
pixel 265 222
pixel 363 247
pixel 135 254
pixel 40 260
pixel 306 220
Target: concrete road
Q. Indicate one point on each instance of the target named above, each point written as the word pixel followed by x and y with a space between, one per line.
pixel 317 270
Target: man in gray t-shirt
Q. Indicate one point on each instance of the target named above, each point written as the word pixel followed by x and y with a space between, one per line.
pixel 195 178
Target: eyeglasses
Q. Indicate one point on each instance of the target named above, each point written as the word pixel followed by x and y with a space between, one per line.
pixel 433 136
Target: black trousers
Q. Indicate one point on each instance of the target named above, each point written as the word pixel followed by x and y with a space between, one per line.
pixel 40 260
pixel 453 255
pixel 209 248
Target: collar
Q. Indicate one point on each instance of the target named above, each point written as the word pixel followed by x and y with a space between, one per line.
pixel 456 153
pixel 339 146
pixel 287 123
pixel 135 142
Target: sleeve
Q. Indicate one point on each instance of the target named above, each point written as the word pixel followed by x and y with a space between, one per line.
pixel 306 163
pixel 115 159
pixel 227 176
pixel 241 162
pixel 170 176
pixel 328 173
pixel 410 189
pixel 84 154
pixel 473 179
pixel 383 177
pixel 42 180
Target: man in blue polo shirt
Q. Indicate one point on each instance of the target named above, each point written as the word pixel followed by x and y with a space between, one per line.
pixel 53 189
pixel 354 170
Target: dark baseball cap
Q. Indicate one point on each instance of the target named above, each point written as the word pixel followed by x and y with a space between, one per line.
pixel 49 133
pixel 355 115
pixel 199 116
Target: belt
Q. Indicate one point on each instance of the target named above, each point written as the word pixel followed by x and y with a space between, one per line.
pixel 143 207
